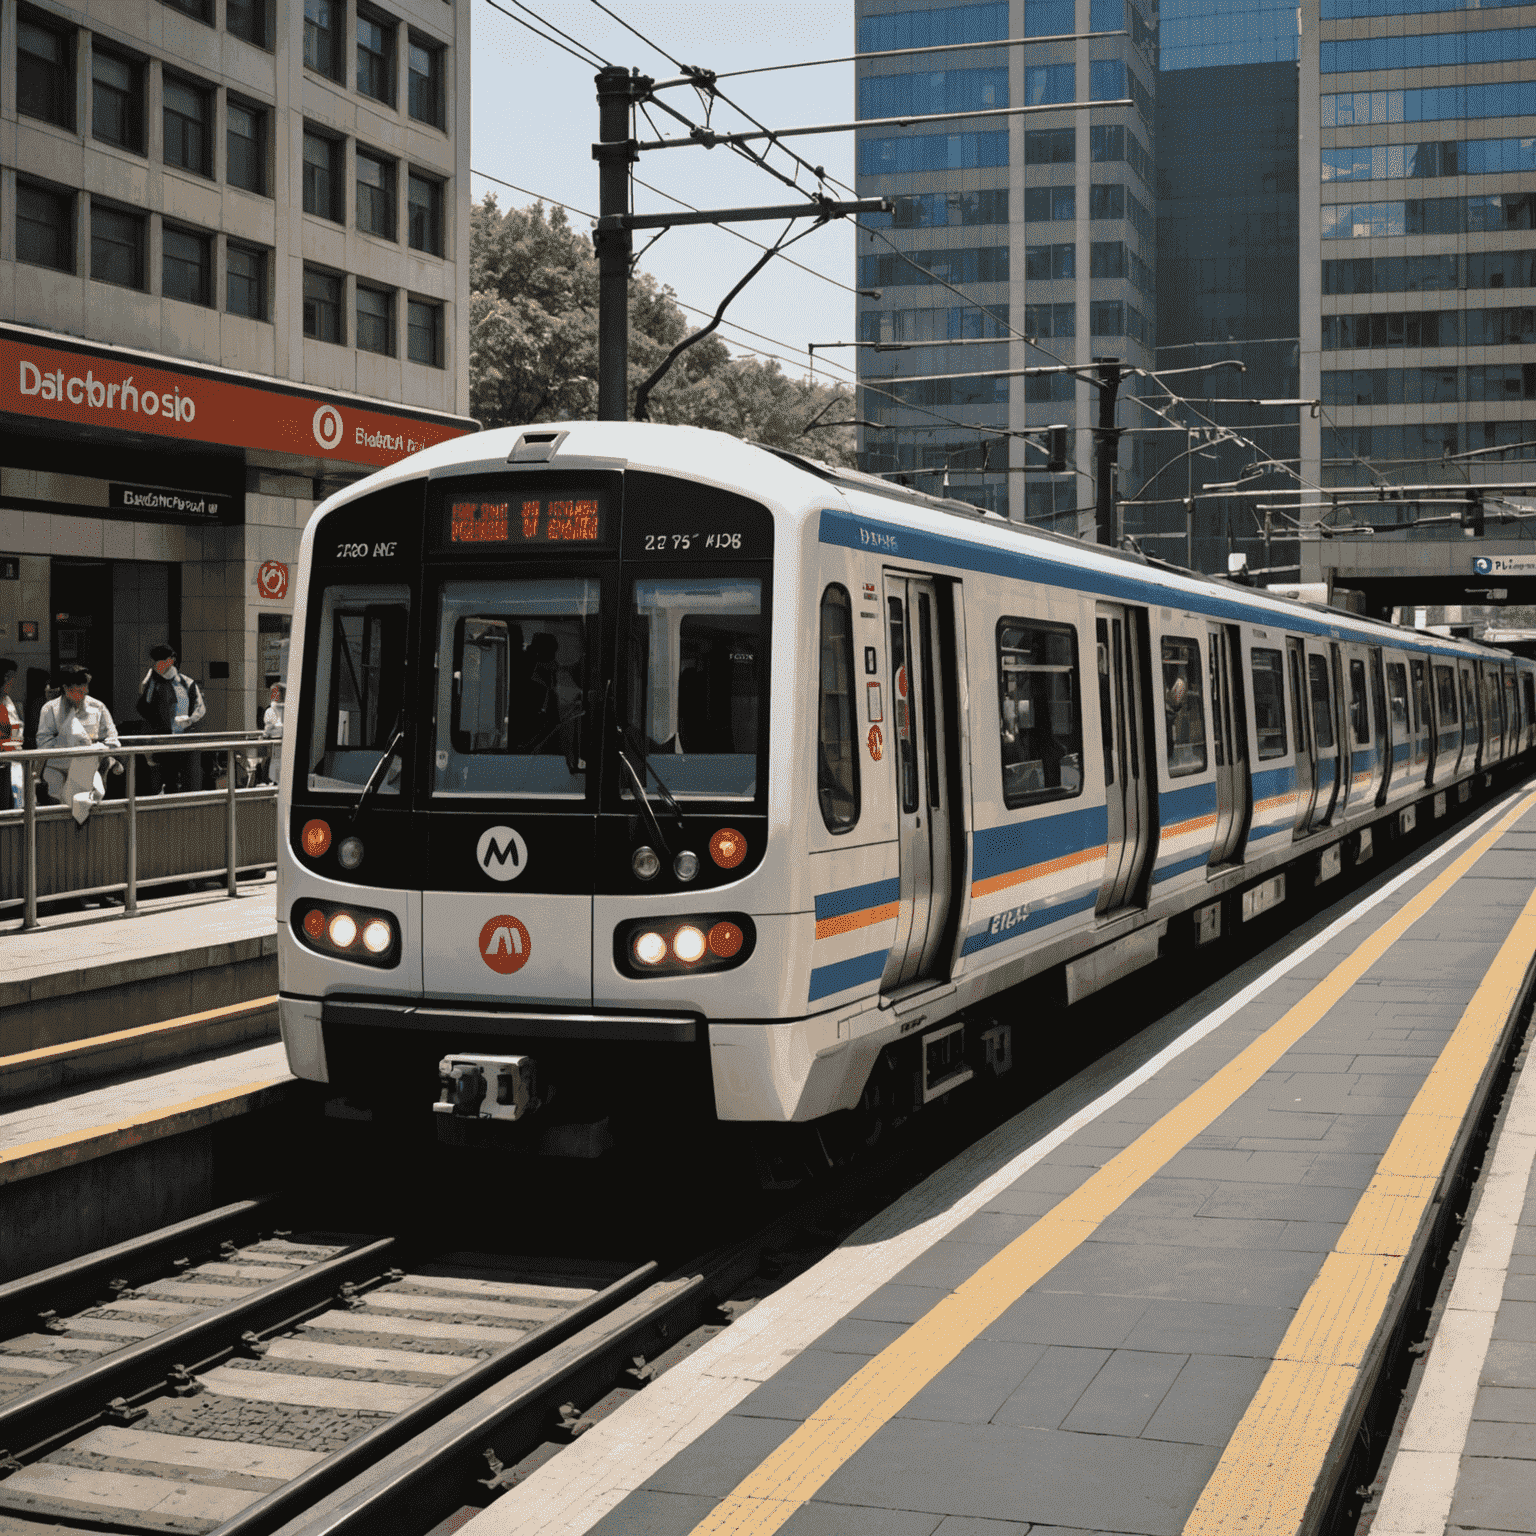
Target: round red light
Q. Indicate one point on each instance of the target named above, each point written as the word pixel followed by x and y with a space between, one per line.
pixel 725 940
pixel 314 922
pixel 315 838
pixel 727 848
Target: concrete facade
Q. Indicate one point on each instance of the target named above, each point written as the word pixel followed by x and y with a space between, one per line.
pixel 266 190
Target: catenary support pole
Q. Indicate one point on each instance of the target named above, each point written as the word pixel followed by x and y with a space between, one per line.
pixel 615 152
pixel 1106 443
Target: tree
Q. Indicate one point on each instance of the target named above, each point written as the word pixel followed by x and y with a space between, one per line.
pixel 533 345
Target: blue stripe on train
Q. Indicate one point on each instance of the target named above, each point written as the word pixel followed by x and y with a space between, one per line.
pixel 1179 867
pixel 1185 803
pixel 842 974
pixel 857 898
pixel 1001 850
pixel 985 937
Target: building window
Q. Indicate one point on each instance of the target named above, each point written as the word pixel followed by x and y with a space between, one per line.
pixel 425 198
pixel 1047 18
pixel 323 176
pixel 245 137
pixel 375 55
pixel 250 19
pixel 188 125
pixel 322 36
pixel 376 320
pixel 245 286
pixel 45 71
pixel 1044 204
pixel 376 195
pixel 424 332
pixel 117 100
pixel 45 226
pixel 322 305
pixel 425 87
pixel 198 10
pixel 1045 84
pixel 117 245
pixel 186 265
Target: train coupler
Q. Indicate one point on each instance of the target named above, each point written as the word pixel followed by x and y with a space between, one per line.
pixel 488 1087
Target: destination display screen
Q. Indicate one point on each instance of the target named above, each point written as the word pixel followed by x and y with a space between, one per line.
pixel 505 521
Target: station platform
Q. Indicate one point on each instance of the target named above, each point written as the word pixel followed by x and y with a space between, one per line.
pixel 1155 1301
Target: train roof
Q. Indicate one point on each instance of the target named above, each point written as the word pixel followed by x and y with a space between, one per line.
pixel 698 453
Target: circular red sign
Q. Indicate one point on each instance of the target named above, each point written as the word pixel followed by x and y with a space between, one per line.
pixel 272 579
pixel 876 742
pixel 505 945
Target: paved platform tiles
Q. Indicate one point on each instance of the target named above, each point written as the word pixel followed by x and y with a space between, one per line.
pixel 1148 1303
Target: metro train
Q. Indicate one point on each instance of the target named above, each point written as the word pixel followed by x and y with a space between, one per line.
pixel 636 773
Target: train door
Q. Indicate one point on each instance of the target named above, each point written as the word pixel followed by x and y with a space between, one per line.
pixel 1325 733
pixel 1122 713
pixel 1383 734
pixel 1343 715
pixel 922 713
pixel 1423 760
pixel 1398 739
pixel 1447 725
pixel 1229 734
pixel 1511 711
pixel 1528 698
pixel 1493 714
pixel 1471 719
pixel 1306 755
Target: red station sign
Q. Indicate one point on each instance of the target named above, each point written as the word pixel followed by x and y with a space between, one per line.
pixel 115 390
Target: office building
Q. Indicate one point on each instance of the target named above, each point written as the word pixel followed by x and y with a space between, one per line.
pixel 233 275
pixel 1036 225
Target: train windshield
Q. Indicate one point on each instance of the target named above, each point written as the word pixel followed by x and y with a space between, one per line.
pixel 511 707
pixel 696 682
pixel 360 669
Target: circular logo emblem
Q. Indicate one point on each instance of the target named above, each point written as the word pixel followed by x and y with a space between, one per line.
pixel 1482 565
pixel 876 742
pixel 272 579
pixel 505 945
pixel 501 853
pixel 327 426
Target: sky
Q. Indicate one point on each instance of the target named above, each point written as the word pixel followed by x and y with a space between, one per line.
pixel 535 119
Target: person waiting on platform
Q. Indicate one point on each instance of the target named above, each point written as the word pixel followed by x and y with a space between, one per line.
pixel 10 733
pixel 75 719
pixel 272 729
pixel 172 703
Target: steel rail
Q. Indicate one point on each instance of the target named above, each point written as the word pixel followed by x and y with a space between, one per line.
pixel 285 1503
pixel 73 1282
pixel 72 1402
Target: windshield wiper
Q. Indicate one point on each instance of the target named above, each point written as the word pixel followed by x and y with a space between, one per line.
pixel 377 776
pixel 627 733
pixel 643 800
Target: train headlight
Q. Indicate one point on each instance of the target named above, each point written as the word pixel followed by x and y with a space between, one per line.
pixel 688 944
pixel 315 838
pixel 377 936
pixel 645 864
pixel 650 948
pixel 677 946
pixel 350 854
pixel 331 929
pixel 727 847
pixel 686 865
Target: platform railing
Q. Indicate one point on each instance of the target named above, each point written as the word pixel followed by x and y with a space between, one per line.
pixel 247 749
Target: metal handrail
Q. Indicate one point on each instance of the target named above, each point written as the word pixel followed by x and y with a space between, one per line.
pixel 228 742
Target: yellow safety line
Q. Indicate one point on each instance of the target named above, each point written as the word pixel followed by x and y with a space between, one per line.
pixel 89 1043
pixel 847 1420
pixel 1267 1476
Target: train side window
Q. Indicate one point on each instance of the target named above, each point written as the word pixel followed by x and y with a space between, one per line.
pixel 1322 705
pixel 1420 695
pixel 1184 706
pixel 1269 702
pixel 360 668
pixel 1359 711
pixel 1528 691
pixel 1040 716
pixel 1445 694
pixel 1397 698
pixel 837 756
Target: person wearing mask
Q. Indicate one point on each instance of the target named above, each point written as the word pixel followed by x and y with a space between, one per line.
pixel 10 733
pixel 75 719
pixel 172 703
pixel 272 729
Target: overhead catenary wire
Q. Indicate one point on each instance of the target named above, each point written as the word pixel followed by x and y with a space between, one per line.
pixel 638 33
pixel 495 6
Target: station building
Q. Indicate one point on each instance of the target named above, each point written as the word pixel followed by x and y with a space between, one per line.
pixel 234 276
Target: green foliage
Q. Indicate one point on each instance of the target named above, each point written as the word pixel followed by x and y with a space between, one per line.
pixel 533 345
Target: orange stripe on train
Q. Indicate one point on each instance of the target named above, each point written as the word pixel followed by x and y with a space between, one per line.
pixel 847 922
pixel 1035 871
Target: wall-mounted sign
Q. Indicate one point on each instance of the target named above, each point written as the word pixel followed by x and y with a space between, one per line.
pixel 1504 565
pixel 10 568
pixel 272 579
pixel 26 631
pixel 117 389
pixel 161 501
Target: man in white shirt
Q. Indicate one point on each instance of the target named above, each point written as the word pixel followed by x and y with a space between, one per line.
pixel 75 719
